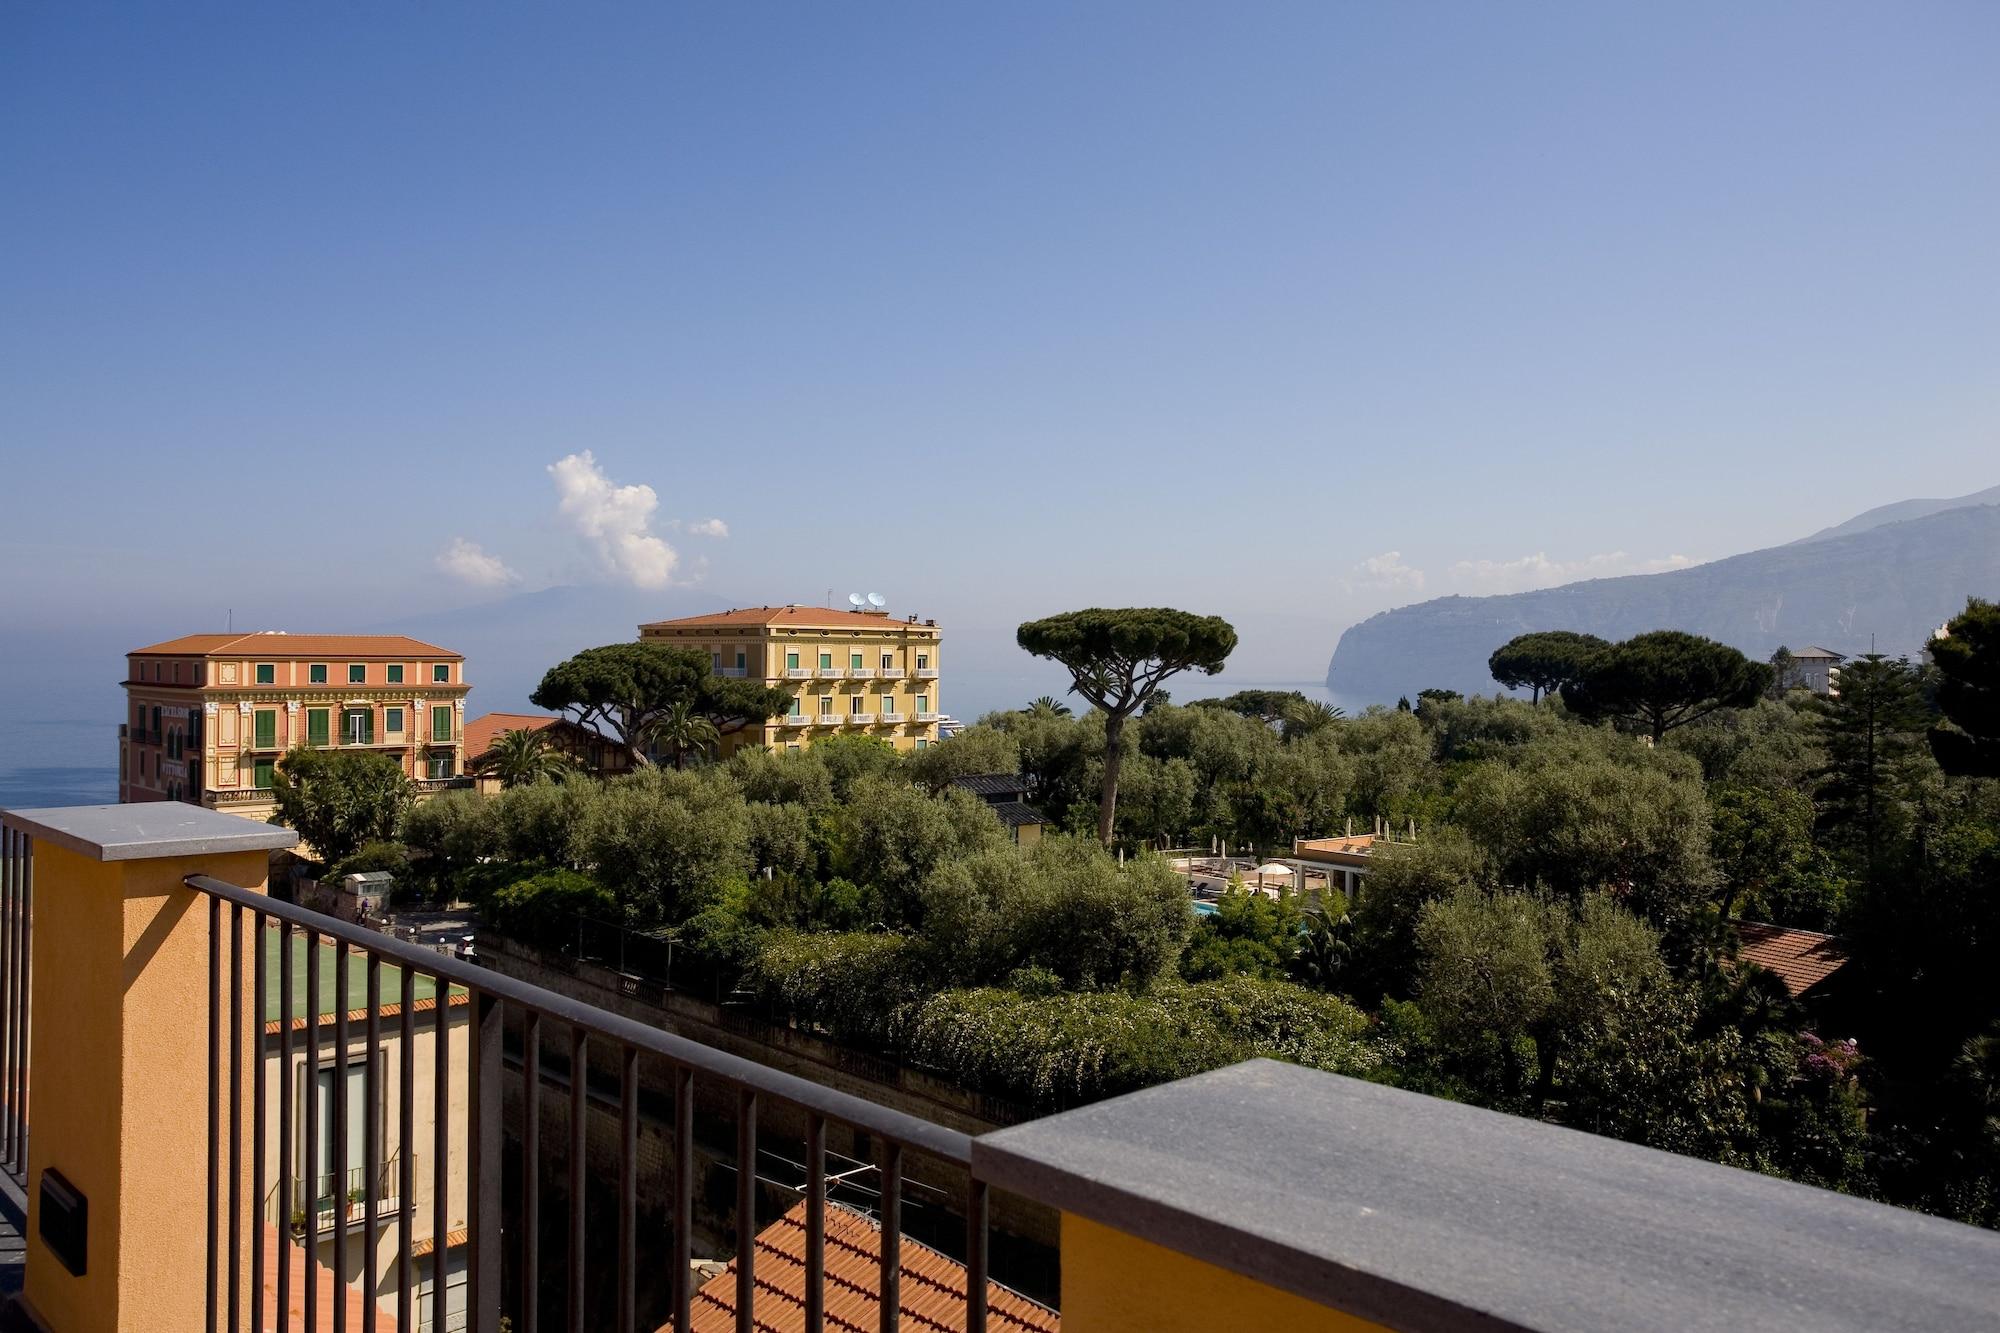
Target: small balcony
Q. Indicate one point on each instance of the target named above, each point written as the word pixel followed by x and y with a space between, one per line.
pixel 927 673
pixel 889 719
pixel 925 717
pixel 431 786
pixel 798 673
pixel 831 673
pixel 798 719
pixel 577 1162
pixel 224 799
pixel 733 672
pixel 890 673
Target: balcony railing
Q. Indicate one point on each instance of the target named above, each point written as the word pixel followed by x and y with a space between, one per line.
pixel 887 718
pixel 798 719
pixel 337 1200
pixel 239 796
pixel 831 673
pixel 926 717
pixel 733 672
pixel 426 786
pixel 890 673
pixel 927 673
pixel 798 673
pixel 1212 1202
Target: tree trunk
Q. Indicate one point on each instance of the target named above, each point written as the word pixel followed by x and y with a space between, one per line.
pixel 1107 806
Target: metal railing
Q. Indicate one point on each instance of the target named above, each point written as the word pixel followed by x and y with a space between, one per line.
pixel 798 673
pixel 17 891
pixel 491 1000
pixel 798 719
pixel 286 1203
pixel 888 718
pixel 927 673
pixel 890 673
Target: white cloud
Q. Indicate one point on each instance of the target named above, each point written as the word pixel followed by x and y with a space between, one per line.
pixel 1386 572
pixel 1539 571
pixel 708 527
pixel 467 562
pixel 617 520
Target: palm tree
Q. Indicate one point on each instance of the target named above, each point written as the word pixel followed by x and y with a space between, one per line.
pixel 520 758
pixel 1047 706
pixel 1308 716
pixel 680 729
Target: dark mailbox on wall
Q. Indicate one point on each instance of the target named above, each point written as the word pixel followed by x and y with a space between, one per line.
pixel 65 1221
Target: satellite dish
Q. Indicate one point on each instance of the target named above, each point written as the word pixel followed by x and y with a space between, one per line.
pixel 854 599
pixel 876 599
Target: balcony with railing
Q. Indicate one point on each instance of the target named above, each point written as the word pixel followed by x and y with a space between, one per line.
pixel 890 673
pixel 579 1161
pixel 798 673
pixel 888 718
pixel 925 716
pixel 798 719
pixel 927 673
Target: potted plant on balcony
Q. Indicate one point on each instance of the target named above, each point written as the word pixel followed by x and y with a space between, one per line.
pixel 298 1223
pixel 355 1203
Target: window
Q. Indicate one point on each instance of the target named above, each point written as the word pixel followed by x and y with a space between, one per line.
pixel 392 721
pixel 267 673
pixel 395 673
pixel 438 766
pixel 357 726
pixel 923 744
pixel 177 673
pixel 266 733
pixel 793 745
pixel 854 661
pixel 316 673
pixel 826 661
pixel 791 661
pixel 441 673
pixel 357 673
pixel 923 661
pixel 715 659
pixel 156 721
pixel 923 703
pixel 854 705
pixel 888 661
pixel 742 662
pixel 441 722
pixel 330 1195
pixel 795 708
pixel 826 705
pixel 260 774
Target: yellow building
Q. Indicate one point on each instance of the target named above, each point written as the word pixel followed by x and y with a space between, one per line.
pixel 209 715
pixel 860 672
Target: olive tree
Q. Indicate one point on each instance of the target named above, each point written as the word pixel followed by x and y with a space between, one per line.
pixel 1118 658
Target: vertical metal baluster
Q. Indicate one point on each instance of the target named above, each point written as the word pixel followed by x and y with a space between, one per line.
pixel 339 1131
pixel 309 1158
pixel 24 998
pixel 287 1111
pixel 9 1010
pixel 683 1274
pixel 531 1172
pixel 628 1196
pixel 371 1144
pixel 236 1119
pixel 483 1157
pixel 259 1154
pixel 892 1238
pixel 214 1097
pixel 441 1149
pixel 406 1149
pixel 746 1211
pixel 975 1256
pixel 815 1223
pixel 579 1094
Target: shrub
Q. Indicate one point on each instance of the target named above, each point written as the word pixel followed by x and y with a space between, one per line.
pixel 849 986
pixel 544 907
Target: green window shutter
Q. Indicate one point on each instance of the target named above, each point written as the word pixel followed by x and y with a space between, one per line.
pixel 392 720
pixel 318 674
pixel 854 661
pixel 316 719
pixel 260 774
pixel 267 674
pixel 357 674
pixel 395 673
pixel 267 729
pixel 441 722
pixel 791 661
pixel 826 661
pixel 441 673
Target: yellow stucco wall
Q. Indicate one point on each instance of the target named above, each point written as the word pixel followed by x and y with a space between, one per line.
pixel 1115 1283
pixel 120 1003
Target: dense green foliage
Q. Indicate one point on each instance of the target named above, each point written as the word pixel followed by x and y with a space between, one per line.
pixel 1543 662
pixel 634 692
pixel 1967 737
pixel 1662 680
pixel 339 800
pixel 1552 930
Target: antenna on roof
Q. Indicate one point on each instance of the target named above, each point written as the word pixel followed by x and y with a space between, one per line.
pixel 875 599
pixel 856 599
pixel 231 627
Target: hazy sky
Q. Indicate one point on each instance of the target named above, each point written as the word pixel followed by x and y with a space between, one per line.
pixel 338 313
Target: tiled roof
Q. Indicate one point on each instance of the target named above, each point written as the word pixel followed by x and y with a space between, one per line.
pixel 1801 958
pixel 804 617
pixel 290 647
pixel 1016 814
pixel 932 1287
pixel 1817 652
pixel 481 732
pixel 992 784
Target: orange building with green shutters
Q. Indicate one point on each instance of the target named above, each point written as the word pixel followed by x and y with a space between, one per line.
pixel 208 716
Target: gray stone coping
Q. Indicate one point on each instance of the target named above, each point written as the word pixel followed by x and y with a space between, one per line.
pixel 147 830
pixel 1418 1213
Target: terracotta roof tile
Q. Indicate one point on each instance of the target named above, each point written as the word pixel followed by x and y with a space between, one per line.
pixel 804 617
pixel 482 731
pixel 932 1287
pixel 1801 958
pixel 293 1256
pixel 291 647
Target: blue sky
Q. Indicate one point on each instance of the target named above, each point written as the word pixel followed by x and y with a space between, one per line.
pixel 1285 312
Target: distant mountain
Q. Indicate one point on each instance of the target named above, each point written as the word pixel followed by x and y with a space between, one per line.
pixel 1901 512
pixel 1884 581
